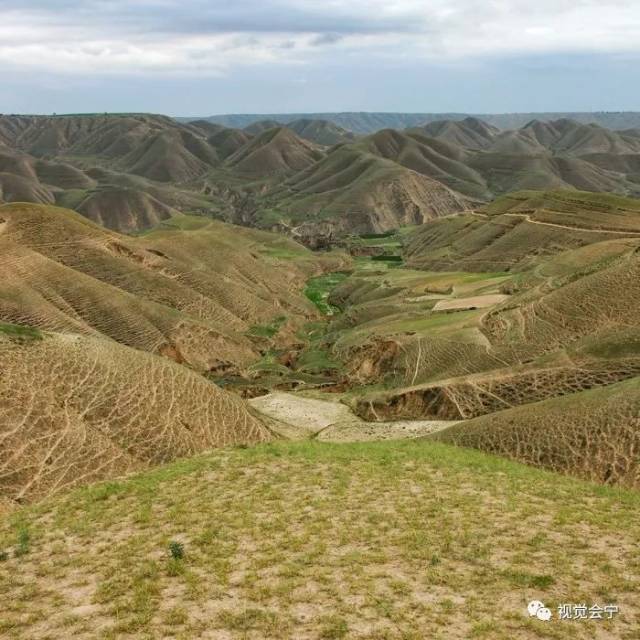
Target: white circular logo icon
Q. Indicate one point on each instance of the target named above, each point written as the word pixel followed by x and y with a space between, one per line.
pixel 534 606
pixel 543 614
pixel 538 610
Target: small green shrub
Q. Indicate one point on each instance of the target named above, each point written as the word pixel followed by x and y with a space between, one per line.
pixel 24 542
pixel 176 550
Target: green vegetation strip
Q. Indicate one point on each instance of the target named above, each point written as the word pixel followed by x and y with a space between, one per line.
pixel 20 332
pixel 267 330
pixel 319 288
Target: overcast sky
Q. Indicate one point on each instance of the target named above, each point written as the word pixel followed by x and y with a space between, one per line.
pixel 203 57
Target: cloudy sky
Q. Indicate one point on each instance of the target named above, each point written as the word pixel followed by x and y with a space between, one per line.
pixel 202 57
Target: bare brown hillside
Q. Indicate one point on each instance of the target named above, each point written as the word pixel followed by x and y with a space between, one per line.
pixel 309 178
pixel 192 295
pixel 275 151
pixel 104 337
pixel 519 230
pixel 358 192
pixel 76 409
pixel 594 434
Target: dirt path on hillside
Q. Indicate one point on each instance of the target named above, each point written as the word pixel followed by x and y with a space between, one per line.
pixel 297 417
pixel 528 218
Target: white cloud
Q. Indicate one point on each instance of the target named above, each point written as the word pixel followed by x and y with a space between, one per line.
pixel 209 38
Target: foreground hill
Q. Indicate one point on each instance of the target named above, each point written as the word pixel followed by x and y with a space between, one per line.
pixel 103 338
pixel 557 433
pixel 426 541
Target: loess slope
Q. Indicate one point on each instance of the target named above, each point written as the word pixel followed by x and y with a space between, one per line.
pixel 521 229
pixel 79 409
pixel 355 191
pixel 594 434
pixel 189 294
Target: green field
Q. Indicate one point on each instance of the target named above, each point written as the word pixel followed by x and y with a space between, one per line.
pixel 318 290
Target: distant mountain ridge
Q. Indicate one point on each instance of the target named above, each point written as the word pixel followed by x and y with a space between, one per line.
pixel 369 122
pixel 310 178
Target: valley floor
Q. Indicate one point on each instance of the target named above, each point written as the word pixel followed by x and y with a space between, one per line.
pixel 321 416
pixel 307 540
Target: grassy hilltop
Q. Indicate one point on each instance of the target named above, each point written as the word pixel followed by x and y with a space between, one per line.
pixel 386 541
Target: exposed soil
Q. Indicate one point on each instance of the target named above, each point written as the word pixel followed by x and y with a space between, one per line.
pixel 475 302
pixel 331 421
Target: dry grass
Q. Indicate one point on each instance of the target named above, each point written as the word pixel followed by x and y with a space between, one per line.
pixel 391 540
pixel 75 410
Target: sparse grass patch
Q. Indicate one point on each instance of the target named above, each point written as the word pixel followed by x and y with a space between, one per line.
pixel 392 540
pixel 269 329
pixel 20 333
pixel 334 628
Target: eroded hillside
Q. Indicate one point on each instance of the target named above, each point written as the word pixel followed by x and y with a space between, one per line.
pixel 131 172
pixel 106 341
pixel 77 409
pixel 191 291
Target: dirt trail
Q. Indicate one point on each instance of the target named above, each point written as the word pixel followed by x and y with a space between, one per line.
pixel 299 418
pixel 528 218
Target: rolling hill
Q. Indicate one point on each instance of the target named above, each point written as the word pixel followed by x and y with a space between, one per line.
pixel 191 295
pixel 435 158
pixel 510 327
pixel 275 151
pixel 593 433
pixel 496 326
pixel 320 131
pixel 354 191
pixel 96 409
pixel 469 133
pixel 521 229
pixel 369 122
pixel 310 178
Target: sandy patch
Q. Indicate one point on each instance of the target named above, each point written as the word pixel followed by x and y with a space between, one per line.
pixel 330 421
pixel 375 431
pixel 304 413
pixel 428 296
pixel 475 302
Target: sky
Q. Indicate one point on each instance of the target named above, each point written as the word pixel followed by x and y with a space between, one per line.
pixel 205 57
